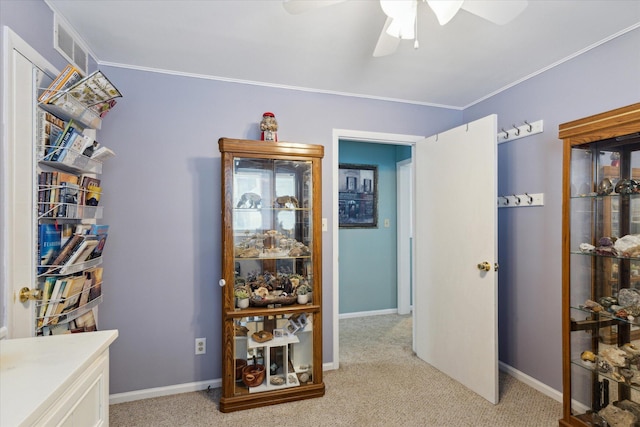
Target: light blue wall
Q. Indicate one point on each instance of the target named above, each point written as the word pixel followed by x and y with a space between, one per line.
pixel 529 243
pixel 368 255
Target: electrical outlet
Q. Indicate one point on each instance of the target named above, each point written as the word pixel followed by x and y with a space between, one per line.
pixel 201 345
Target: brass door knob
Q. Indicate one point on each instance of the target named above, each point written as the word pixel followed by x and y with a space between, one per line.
pixel 27 294
pixel 484 266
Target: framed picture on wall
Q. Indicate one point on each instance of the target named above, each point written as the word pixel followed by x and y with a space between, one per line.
pixel 358 196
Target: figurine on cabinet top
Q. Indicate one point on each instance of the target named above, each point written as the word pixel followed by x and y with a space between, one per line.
pixel 269 127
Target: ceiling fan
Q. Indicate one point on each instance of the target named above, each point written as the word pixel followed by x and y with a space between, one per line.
pixel 402 15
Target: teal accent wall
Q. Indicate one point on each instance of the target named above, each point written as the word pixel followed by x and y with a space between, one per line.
pixel 368 255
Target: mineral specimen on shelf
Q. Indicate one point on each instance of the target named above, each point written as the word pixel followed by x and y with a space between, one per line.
pixel 586 247
pixel 607 302
pixel 617 417
pixel 629 245
pixel 622 313
pixel 633 310
pixel 592 305
pixel 628 296
pixel 588 355
pixel 630 406
pixel 614 356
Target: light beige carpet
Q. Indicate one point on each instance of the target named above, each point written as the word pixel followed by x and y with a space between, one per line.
pixel 380 383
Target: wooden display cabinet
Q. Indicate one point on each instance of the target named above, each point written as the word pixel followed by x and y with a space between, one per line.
pixel 601 267
pixel 271 251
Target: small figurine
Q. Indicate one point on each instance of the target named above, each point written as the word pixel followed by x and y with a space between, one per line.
pixel 269 127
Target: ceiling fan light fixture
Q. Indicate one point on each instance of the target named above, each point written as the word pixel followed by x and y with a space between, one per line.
pixel 445 10
pixel 403 14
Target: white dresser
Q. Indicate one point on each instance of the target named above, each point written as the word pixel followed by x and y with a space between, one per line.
pixel 58 380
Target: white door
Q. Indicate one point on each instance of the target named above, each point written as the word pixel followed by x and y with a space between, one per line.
pixel 404 178
pixel 25 70
pixel 455 307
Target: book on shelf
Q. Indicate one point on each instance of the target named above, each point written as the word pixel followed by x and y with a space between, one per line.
pixel 65 292
pixel 56 295
pixel 68 195
pixel 67 78
pixel 67 231
pixel 49 243
pixel 86 323
pixel 47 290
pixel 42 189
pixel 54 145
pixel 91 90
pixel 94 183
pixel 101 231
pixel 102 154
pixel 65 252
pixel 52 183
pixel 72 301
pixel 49 128
pixel 81 254
pixel 96 283
pixel 67 141
pixel 86 289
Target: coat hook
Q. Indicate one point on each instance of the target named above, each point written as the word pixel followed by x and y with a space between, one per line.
pixel 506 134
pixel 517 199
pixel 517 130
pixel 506 200
pixel 530 127
pixel 436 137
pixel 467 130
pixel 530 198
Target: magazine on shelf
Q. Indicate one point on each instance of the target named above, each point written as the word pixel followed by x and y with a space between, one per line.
pixel 49 242
pixel 68 77
pixel 91 90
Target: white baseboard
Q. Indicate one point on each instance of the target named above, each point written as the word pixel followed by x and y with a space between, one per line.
pixel 149 393
pixel 531 382
pixel 367 313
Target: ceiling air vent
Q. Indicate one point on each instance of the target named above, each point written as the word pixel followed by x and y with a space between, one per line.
pixel 68 46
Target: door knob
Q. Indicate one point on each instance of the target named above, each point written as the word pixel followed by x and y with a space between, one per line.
pixel 27 294
pixel 484 266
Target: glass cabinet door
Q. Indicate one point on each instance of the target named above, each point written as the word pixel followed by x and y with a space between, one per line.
pixel 271 232
pixel 604 280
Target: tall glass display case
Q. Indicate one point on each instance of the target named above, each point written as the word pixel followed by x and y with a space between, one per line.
pixel 601 269
pixel 271 266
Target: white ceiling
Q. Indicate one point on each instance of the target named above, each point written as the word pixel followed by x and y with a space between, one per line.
pixel 330 49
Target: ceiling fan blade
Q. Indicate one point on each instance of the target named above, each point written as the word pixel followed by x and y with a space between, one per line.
pixel 300 6
pixel 445 10
pixel 386 44
pixel 497 11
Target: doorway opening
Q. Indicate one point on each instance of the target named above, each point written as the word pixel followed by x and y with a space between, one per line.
pixel 363 137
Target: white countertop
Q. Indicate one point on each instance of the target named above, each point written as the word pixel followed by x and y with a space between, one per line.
pixel 33 371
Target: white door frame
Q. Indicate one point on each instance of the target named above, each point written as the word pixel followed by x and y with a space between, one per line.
pixel 361 136
pixel 404 185
pixel 17 229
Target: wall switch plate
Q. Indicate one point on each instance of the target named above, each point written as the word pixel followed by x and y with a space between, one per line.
pixel 386 222
pixel 201 345
pixel 325 224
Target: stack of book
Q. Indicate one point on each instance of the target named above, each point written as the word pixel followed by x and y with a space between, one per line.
pixel 60 194
pixel 61 255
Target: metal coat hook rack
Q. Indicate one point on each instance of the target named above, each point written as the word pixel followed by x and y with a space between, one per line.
pixel 521 200
pixel 517 132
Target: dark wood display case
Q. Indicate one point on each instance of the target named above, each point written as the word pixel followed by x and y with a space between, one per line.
pixel 601 267
pixel 271 250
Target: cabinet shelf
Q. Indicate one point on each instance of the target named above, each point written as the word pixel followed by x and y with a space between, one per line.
pixel 592 369
pixel 260 311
